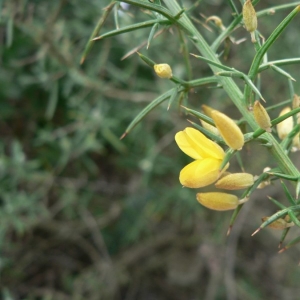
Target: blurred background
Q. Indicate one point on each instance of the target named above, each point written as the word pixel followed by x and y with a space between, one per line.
pixel 85 215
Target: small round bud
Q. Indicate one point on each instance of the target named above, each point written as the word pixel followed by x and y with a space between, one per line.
pixel 163 70
pixel 230 132
pixel 236 181
pixel 261 117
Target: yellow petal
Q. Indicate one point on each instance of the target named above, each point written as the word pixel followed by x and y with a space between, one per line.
pixel 196 145
pixel 218 201
pixel 200 173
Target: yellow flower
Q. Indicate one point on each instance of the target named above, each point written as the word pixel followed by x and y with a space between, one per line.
pixel 208 158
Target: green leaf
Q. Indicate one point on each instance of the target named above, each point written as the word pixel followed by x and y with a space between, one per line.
pixel 282 72
pixel 96 30
pixel 290 244
pixel 209 61
pixel 152 32
pixel 148 109
pixel 130 28
pixel 199 115
pixel 283 236
pixel 116 14
pixel 277 203
pixel 288 194
pixel 9 31
pixel 52 103
pixel 283 176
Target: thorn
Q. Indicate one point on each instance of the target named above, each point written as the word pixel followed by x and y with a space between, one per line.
pixel 123 135
pixel 82 60
pixel 256 231
pixel 229 230
pixel 97 38
pixel 282 250
pixel 279 245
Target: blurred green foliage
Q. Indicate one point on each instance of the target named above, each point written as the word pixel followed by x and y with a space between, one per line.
pixel 85 215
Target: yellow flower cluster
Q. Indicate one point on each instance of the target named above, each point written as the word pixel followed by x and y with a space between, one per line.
pixel 208 157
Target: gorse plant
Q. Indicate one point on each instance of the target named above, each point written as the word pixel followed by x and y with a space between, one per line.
pixel 206 142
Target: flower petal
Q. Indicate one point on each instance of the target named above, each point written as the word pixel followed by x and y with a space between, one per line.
pixel 196 145
pixel 200 173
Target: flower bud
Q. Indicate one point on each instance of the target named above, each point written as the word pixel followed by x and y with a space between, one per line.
pixel 218 201
pixel 265 183
pixel 163 70
pixel 230 132
pixel 279 223
pixel 286 126
pixel 261 117
pixel 250 19
pixel 210 128
pixel 296 101
pixel 207 110
pixel 217 21
pixel 237 181
pixel 296 104
pixel 296 143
